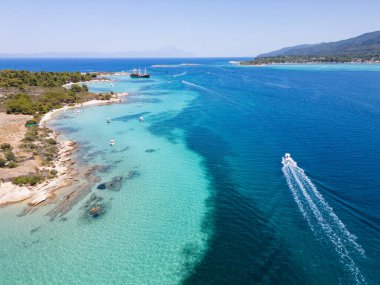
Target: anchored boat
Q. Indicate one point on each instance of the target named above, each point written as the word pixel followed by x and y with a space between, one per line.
pixel 137 74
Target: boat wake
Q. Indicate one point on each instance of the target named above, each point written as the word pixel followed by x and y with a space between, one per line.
pixel 217 94
pixel 321 218
pixel 181 74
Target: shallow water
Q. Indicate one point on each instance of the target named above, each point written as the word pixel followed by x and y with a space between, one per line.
pixel 204 199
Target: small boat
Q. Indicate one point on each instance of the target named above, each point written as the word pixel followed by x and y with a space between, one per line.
pixel 108 120
pixel 112 142
pixel 76 112
pixel 141 119
pixel 287 160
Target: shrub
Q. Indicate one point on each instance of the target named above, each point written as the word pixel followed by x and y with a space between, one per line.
pixel 27 180
pixel 51 141
pixel 9 155
pixel 28 146
pixel 31 134
pixel 102 96
pixel 84 88
pixel 12 164
pixel 53 172
pixel 5 146
pixel 2 162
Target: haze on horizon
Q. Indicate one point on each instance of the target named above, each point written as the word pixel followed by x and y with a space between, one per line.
pixel 207 28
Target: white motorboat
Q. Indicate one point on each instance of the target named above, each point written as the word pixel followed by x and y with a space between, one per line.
pixel 108 120
pixel 112 142
pixel 288 160
pixel 141 119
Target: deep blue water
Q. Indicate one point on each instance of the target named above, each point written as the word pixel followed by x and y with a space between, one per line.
pixel 241 123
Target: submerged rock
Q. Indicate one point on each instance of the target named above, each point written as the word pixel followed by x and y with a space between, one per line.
pixel 94 207
pixel 35 229
pixel 150 150
pixel 104 186
pixel 116 183
pixel 133 174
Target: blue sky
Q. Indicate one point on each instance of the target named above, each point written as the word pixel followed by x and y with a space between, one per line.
pixel 204 28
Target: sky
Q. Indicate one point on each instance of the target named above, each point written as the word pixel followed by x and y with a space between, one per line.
pixel 205 28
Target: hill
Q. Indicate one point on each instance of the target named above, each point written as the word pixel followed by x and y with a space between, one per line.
pixel 361 46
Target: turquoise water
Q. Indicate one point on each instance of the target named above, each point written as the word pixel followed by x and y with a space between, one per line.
pixel 205 198
pixel 156 217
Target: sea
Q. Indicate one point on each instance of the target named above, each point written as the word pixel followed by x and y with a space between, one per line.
pixel 202 196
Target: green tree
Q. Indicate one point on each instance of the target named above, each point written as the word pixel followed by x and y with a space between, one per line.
pixel 76 88
pixel 21 104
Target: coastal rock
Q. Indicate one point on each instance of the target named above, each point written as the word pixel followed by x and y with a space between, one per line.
pixel 40 198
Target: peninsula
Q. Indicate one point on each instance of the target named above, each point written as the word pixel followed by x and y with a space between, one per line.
pixel 362 49
pixel 33 161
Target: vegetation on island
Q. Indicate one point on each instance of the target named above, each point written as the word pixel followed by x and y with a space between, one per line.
pixel 37 143
pixel 36 93
pixel 7 157
pixel 310 59
pixel 31 180
pixel 22 78
pixel 25 104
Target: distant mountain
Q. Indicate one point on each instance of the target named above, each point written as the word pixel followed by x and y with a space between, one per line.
pixel 165 52
pixel 363 45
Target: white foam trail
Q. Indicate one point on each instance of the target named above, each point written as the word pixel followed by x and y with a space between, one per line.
pixel 181 74
pixel 216 94
pixel 321 218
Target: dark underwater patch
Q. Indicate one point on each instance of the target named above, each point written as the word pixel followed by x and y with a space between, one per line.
pixel 150 100
pixel 133 174
pixel 93 208
pixel 35 230
pixel 138 81
pixel 113 185
pixel 127 118
pixel 68 130
pixel 94 154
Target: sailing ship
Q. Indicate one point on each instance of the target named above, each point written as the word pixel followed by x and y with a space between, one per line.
pixel 137 74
